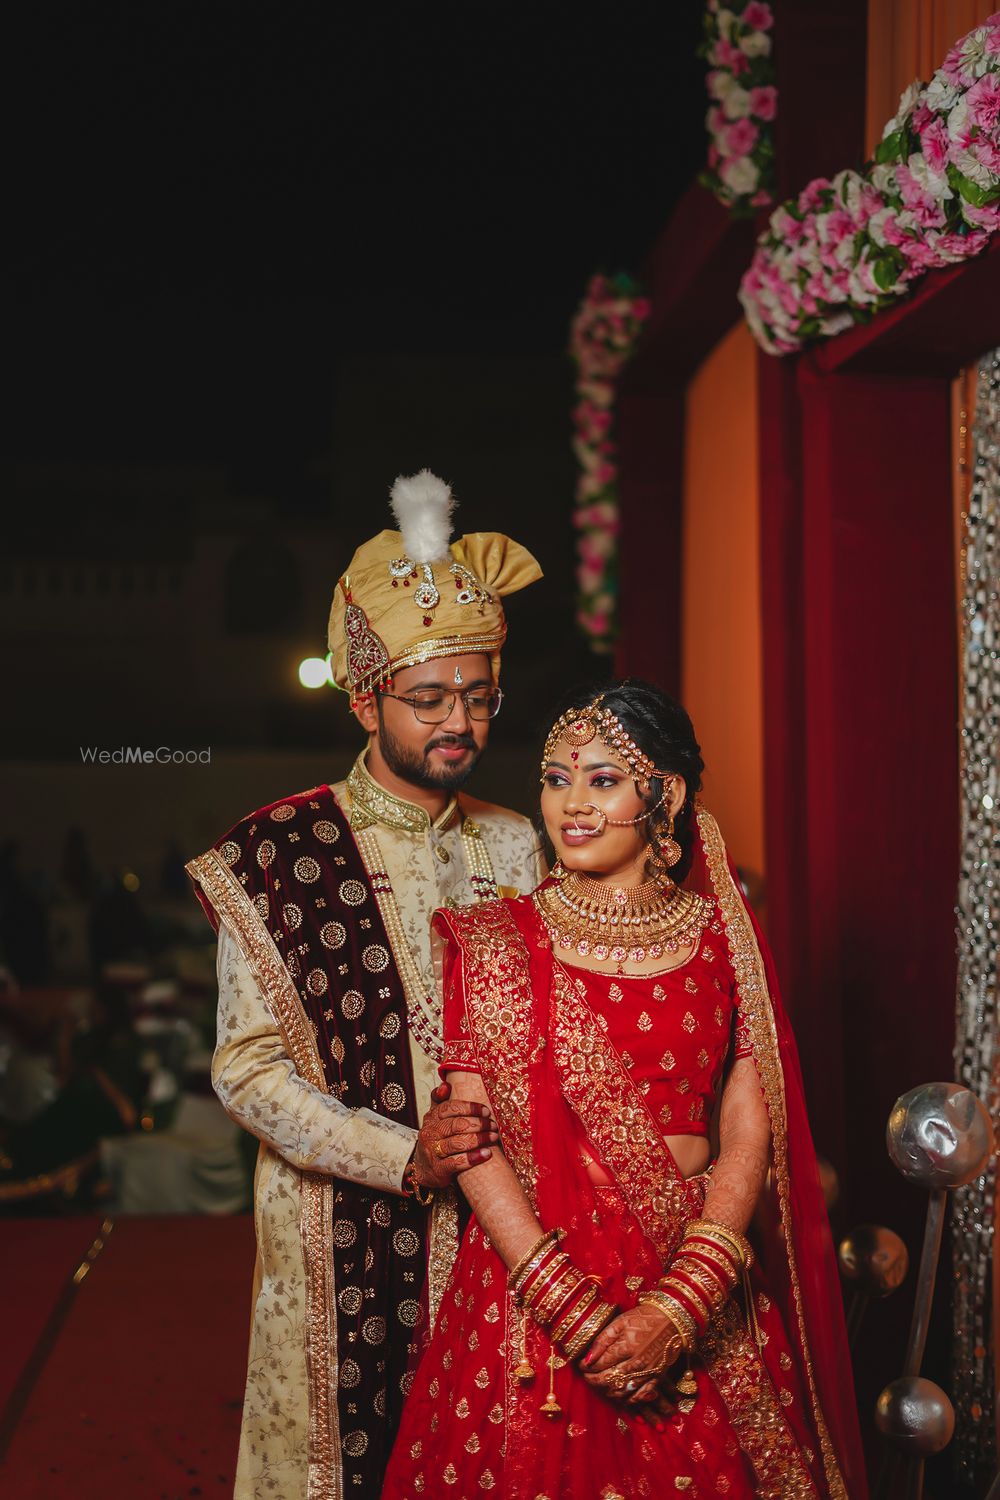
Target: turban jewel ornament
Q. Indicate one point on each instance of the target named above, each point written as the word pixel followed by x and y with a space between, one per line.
pixel 413 594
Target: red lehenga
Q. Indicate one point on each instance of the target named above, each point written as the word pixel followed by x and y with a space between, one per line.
pixel 579 1064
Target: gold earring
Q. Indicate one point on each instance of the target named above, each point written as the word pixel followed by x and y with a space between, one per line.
pixel 670 849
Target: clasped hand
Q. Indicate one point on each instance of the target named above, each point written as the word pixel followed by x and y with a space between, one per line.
pixel 455 1134
pixel 626 1361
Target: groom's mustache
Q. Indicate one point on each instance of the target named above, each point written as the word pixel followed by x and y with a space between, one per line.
pixel 464 740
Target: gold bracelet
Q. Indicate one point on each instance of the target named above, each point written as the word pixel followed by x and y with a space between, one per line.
pixel 696 1295
pixel 715 1289
pixel 739 1242
pixel 567 1319
pixel 416 1188
pixel 717 1257
pixel 687 1328
pixel 588 1331
pixel 550 1236
pixel 550 1303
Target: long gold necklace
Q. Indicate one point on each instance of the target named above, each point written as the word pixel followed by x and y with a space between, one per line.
pixel 626 924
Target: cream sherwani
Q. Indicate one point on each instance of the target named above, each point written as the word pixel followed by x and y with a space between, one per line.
pixel 286 1451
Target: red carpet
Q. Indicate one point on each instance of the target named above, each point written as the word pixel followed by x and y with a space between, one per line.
pixel 139 1395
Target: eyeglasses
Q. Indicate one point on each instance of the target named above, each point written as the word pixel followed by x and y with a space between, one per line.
pixel 433 706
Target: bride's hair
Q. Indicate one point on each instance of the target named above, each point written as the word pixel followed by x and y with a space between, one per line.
pixel 662 729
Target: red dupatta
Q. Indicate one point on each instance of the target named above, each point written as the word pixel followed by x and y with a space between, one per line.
pixel 552 1076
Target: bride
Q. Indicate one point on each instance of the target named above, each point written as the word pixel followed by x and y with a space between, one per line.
pixel 608 1329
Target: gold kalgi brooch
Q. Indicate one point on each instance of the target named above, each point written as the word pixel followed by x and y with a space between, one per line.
pixel 626 924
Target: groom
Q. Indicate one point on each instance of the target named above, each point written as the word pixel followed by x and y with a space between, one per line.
pixel 329 1030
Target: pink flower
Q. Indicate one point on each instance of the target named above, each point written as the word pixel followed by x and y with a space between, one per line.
pixel 758 16
pixel 987 152
pixel 983 100
pixel 606 473
pixel 641 308
pixel 741 137
pixel 987 218
pixel 761 199
pixel 934 144
pixel 764 102
pixel 726 54
pixel 921 202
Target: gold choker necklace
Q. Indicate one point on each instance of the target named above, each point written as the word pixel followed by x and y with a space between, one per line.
pixel 621 923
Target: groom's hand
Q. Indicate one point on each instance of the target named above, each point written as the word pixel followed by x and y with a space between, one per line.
pixel 456 1134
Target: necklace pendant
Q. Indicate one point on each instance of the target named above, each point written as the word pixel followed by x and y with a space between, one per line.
pixel 583 947
pixel 656 950
pixel 637 955
pixel 618 954
pixel 600 951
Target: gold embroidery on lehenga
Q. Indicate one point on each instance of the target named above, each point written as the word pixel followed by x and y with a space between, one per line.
pixel 744 1385
pixel 758 1018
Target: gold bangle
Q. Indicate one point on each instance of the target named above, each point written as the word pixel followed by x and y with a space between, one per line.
pixel 739 1242
pixel 714 1287
pixel 588 1331
pixel 550 1236
pixel 687 1328
pixel 550 1303
pixel 717 1257
pixel 567 1319
pixel 695 1293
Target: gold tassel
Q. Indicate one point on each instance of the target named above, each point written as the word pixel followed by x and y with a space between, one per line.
pixel 688 1385
pixel 524 1370
pixel 550 1406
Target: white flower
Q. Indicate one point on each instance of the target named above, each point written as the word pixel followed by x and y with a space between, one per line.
pixel 739 175
pixel 974 57
pixel 726 22
pixel 974 170
pixel 848 186
pixel 904 108
pixel 837 323
pixel 720 85
pixel 883 176
pixel 755 44
pixel 941 94
pixel 601 543
pixel 856 289
pixel 958 119
pixel 931 181
pixel 876 224
pixel 737 102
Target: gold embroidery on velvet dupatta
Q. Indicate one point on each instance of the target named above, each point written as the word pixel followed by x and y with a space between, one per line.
pixel 234 907
pixel 755 1008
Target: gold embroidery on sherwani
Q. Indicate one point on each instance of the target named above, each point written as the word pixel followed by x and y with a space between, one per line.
pixel 758 1018
pixel 597 1086
pixel 234 907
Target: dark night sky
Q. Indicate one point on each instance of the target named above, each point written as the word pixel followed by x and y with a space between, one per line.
pixel 215 201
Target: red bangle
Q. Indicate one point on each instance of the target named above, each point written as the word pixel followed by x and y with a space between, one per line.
pixel 693 1241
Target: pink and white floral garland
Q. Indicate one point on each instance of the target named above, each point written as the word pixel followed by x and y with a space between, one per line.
pixel 603 335
pixel 931 197
pixel 740 169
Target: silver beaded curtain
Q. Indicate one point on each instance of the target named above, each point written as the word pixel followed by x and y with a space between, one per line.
pixel 977 1033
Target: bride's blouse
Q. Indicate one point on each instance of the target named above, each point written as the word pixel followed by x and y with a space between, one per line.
pixel 674 1031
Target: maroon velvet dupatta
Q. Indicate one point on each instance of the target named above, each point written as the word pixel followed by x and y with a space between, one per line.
pixel 554 1081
